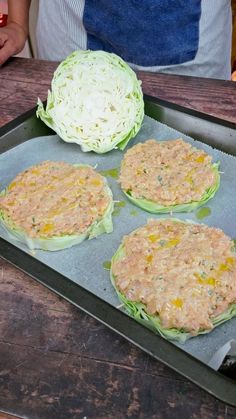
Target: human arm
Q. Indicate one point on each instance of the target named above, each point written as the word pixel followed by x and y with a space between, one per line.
pixel 14 34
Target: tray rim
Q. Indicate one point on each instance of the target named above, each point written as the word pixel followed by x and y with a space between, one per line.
pixel 159 348
pixel 4 129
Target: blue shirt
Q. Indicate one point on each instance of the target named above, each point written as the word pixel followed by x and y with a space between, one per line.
pixel 175 36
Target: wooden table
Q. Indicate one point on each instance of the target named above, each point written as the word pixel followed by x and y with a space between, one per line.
pixel 57 362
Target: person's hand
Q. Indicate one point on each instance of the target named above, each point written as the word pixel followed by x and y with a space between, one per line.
pixel 12 40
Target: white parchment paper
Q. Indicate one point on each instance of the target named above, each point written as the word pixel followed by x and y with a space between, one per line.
pixel 83 263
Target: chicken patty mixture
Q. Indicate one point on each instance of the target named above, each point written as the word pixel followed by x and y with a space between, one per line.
pixel 55 199
pixel 184 273
pixel 167 172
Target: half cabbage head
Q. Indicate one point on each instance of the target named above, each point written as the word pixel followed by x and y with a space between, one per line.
pixel 59 242
pixel 95 101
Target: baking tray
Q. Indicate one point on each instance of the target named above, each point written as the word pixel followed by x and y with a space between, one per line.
pixel 210 131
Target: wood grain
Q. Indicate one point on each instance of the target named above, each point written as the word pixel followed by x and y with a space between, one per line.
pixel 7 416
pixel 214 97
pixel 57 362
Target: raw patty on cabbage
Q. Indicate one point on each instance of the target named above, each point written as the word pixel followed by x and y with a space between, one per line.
pixel 55 205
pixel 95 101
pixel 168 176
pixel 177 278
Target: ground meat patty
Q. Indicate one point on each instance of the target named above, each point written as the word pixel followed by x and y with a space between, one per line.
pixel 54 199
pixel 167 172
pixel 183 273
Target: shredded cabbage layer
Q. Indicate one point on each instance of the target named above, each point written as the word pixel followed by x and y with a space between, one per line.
pixel 95 101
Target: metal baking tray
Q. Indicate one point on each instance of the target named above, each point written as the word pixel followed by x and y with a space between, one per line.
pixel 215 132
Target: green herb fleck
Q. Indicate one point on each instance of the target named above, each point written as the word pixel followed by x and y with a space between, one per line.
pixel 120 204
pixel 107 265
pixel 134 212
pixel 116 212
pixel 110 172
pixel 203 212
pixel 234 245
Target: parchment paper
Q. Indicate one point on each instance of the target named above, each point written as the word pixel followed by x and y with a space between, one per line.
pixel 84 263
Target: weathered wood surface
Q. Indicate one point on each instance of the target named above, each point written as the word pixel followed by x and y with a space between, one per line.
pixel 23 80
pixel 57 362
